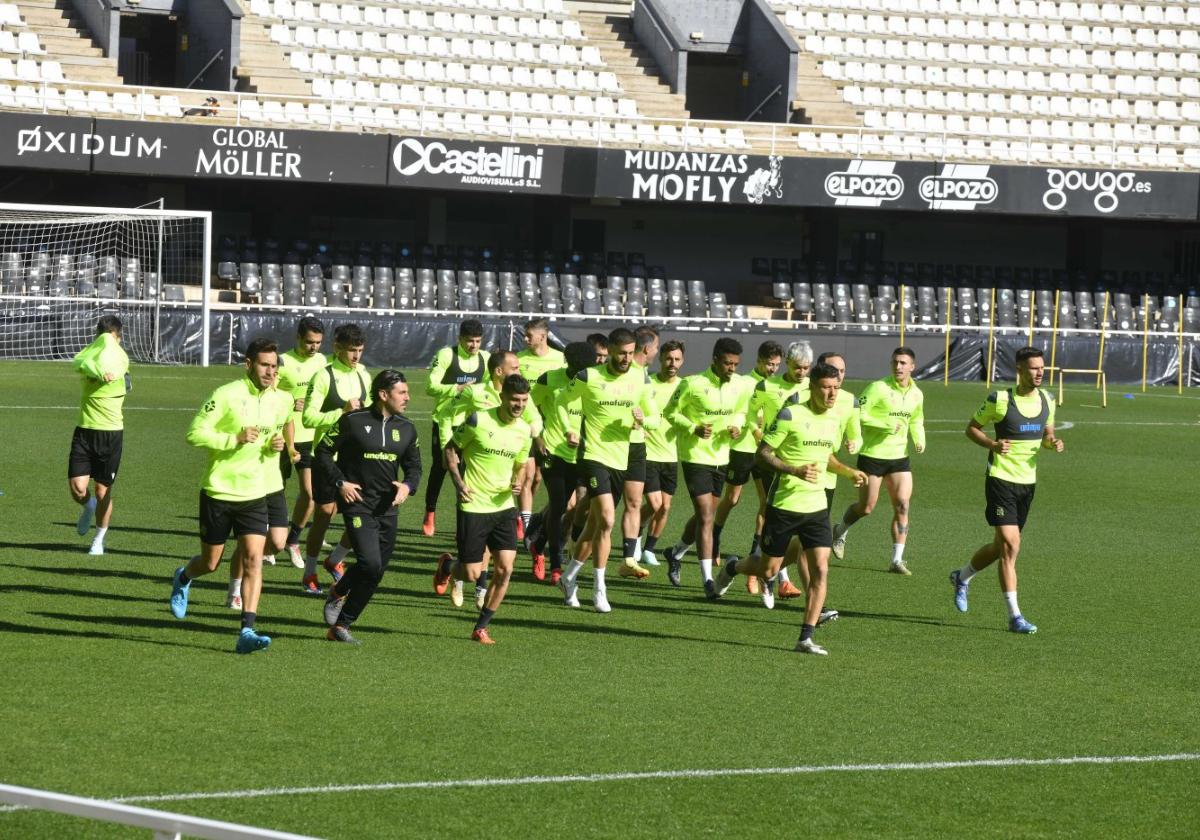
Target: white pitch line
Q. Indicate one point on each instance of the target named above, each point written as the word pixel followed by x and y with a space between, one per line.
pixel 593 778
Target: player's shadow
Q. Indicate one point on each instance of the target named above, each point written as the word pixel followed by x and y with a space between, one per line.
pixel 75 548
pixel 97 572
pixel 59 592
pixel 137 529
pixel 608 630
pixel 31 630
pixel 226 629
pixel 906 619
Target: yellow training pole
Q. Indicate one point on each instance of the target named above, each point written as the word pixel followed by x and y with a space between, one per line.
pixel 1145 336
pixel 991 339
pixel 946 362
pixel 902 319
pixel 1180 312
pixel 1103 333
pixel 1054 340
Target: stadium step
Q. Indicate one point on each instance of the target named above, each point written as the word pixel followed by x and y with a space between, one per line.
pixel 818 100
pixel 263 66
pixel 635 69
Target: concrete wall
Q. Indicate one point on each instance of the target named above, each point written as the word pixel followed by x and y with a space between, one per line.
pixel 717 19
pixel 212 26
pixel 770 59
pixel 103 22
pixel 656 32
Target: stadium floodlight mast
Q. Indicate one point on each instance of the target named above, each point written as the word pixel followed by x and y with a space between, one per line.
pixel 62 266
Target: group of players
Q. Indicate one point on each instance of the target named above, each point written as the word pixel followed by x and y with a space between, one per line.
pixel 594 424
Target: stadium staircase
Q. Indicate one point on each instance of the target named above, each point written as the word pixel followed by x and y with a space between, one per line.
pixel 264 67
pixel 63 38
pixel 818 100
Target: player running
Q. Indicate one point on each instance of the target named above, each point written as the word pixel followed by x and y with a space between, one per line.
pixel 632 492
pixel 614 399
pixel 708 412
pixel 494 444
pixel 537 358
pixel 798 447
pixel 1024 423
pixel 561 452
pixel 451 371
pixel 891 411
pixel 344 386
pixel 741 456
pixel 241 426
pixel 364 456
pixel 297 367
pixel 99 436
pixel 662 455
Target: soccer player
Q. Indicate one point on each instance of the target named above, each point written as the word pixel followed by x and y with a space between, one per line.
pixel 614 399
pixel 495 446
pixel 537 358
pixel 241 426
pixel 344 386
pixel 99 435
pixel 297 367
pixel 373 446
pixel 798 447
pixel 891 411
pixel 561 453
pixel 1024 422
pixel 645 349
pixel 662 456
pixel 707 411
pixel 451 371
pixel 741 455
pixel 599 342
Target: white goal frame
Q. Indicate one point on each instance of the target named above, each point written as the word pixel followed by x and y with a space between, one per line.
pixel 60 213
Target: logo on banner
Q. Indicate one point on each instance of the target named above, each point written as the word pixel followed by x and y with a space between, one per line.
pixel 38 140
pixel 864 183
pixel 504 166
pixel 764 182
pixel 1105 187
pixel 707 177
pixel 959 186
pixel 248 153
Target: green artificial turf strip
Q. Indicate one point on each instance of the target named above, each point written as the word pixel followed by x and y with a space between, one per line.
pixel 108 695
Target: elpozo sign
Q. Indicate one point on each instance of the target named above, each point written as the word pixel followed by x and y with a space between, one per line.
pixel 469 165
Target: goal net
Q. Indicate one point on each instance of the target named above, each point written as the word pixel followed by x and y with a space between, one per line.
pixel 62 267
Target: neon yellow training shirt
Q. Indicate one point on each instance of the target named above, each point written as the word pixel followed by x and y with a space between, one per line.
pixel 607 400
pixel 849 429
pixel 101 402
pixel 237 472
pixel 769 396
pixel 547 391
pixel 452 366
pixel 1020 464
pixel 747 442
pixel 889 416
pixel 295 372
pixel 479 397
pixel 703 399
pixel 533 365
pixel 661 445
pixel 800 436
pixel 323 410
pixel 493 451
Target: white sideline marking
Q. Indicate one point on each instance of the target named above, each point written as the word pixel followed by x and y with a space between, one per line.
pixel 591 778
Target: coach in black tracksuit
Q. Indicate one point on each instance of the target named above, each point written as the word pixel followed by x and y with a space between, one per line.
pixel 373 445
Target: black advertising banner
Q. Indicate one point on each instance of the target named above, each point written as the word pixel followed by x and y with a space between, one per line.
pixel 697 177
pixel 1101 193
pixel 40 141
pixel 469 165
pixel 266 154
pixel 879 184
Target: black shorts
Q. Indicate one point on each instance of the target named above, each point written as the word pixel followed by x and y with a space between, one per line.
pixel 779 526
pixel 219 518
pixel 277 510
pixel 323 490
pixel 495 531
pixel 661 477
pixel 829 498
pixel 559 478
pixel 883 466
pixel 742 467
pixel 1008 503
pixel 95 453
pixel 305 463
pixel 636 469
pixel 702 479
pixel 601 480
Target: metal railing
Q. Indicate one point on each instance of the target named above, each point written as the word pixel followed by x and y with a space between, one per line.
pixel 612 130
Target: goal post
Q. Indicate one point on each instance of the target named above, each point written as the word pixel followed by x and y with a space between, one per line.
pixel 63 266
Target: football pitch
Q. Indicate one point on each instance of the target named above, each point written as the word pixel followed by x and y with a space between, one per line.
pixel 669 717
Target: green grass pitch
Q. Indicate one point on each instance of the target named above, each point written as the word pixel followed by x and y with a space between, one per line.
pixel 106 695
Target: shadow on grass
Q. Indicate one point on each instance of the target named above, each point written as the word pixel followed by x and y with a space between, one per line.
pixel 135 529
pixel 96 572
pixel 148 623
pixel 29 629
pixel 77 548
pixel 59 592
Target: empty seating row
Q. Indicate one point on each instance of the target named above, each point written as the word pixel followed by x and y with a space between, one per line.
pixel 398 45
pixel 86 275
pixel 476 75
pixel 74 100
pixel 29 70
pixel 1042 129
pixel 1176 14
pixel 25 43
pixel 10 15
pixel 474 99
pixel 392 17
